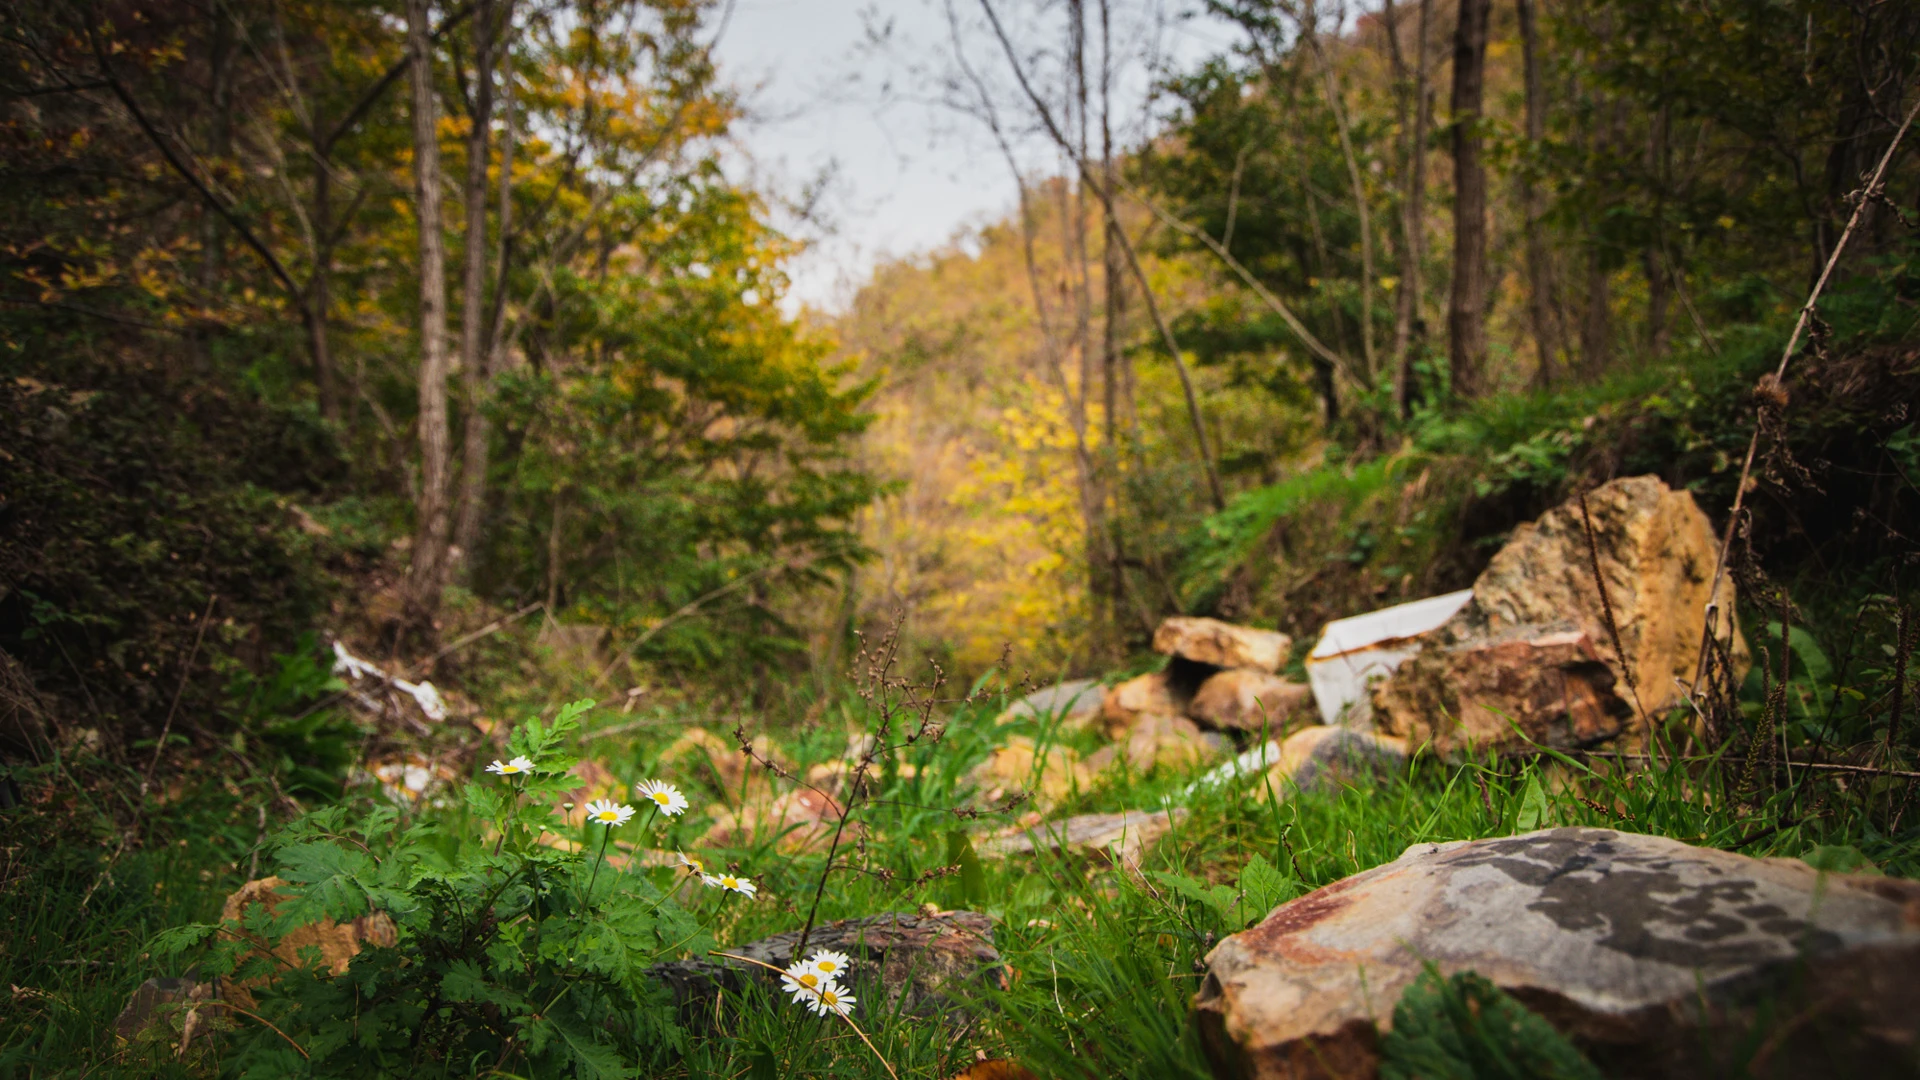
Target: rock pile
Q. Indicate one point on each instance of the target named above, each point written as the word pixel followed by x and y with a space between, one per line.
pixel 1535 645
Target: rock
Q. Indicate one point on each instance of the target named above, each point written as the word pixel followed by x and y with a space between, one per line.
pixel 1170 742
pixel 1355 652
pixel 158 1008
pixel 1656 554
pixel 1222 645
pixel 1119 838
pixel 1152 694
pixel 700 755
pixel 913 963
pixel 1555 686
pixel 1073 705
pixel 1656 958
pixel 1315 757
pixel 1019 766
pixel 994 1069
pixel 802 819
pixel 1247 699
pixel 338 942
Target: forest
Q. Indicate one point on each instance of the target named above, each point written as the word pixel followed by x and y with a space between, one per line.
pixel 462 613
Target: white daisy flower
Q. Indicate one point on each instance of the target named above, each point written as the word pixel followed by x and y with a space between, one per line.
pixel 829 999
pixel 829 963
pixel 800 978
pixel 734 884
pixel 664 795
pixel 608 813
pixel 511 768
pixel 693 865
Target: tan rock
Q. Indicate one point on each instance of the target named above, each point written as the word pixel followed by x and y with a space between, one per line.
pixel 1210 641
pixel 1315 757
pixel 1119 838
pixel 1656 958
pixel 1656 554
pixel 700 755
pixel 1152 694
pixel 1247 699
pixel 1019 766
pixel 798 820
pixel 1169 742
pixel 337 942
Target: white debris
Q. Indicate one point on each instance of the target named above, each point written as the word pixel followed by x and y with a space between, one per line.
pixel 345 663
pixel 1354 652
pixel 1253 761
pixel 423 693
pixel 426 695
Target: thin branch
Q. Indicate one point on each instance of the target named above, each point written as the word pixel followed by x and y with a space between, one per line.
pixel 1867 197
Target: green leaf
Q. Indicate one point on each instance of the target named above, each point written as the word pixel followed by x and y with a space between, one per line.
pixel 1465 1028
pixel 1262 888
pixel 761 1064
pixel 1533 807
pixel 180 938
pixel 463 982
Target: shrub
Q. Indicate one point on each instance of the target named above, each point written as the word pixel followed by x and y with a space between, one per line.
pixel 510 955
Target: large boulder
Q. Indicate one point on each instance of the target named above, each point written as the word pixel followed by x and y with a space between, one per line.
pixel 916 964
pixel 1656 958
pixel 1248 699
pixel 1222 645
pixel 1533 645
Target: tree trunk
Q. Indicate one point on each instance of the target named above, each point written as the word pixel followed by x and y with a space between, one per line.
pixel 476 376
pixel 319 298
pixel 1539 265
pixel 1466 309
pixel 1652 256
pixel 1416 225
pixel 428 573
pixel 1337 104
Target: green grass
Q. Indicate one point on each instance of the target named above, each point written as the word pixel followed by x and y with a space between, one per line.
pixel 1101 963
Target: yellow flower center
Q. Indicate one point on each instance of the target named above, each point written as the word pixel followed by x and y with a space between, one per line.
pixel 509 768
pixel 829 997
pixel 809 979
pixel 661 798
pixel 608 815
pixel 827 966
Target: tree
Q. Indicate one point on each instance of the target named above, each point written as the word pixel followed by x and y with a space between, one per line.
pixel 1467 302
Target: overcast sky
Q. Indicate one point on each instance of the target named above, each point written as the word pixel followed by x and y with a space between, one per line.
pixel 833 110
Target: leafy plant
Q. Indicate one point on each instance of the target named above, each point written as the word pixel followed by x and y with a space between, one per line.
pixel 1465 1028
pixel 510 954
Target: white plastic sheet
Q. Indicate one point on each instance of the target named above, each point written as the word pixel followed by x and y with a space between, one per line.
pixel 1353 652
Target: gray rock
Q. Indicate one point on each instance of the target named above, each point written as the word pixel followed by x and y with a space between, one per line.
pixel 1073 703
pixel 158 1006
pixel 1656 958
pixel 917 963
pixel 1317 757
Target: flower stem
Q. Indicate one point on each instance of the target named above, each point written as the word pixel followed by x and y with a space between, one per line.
pixel 606 834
